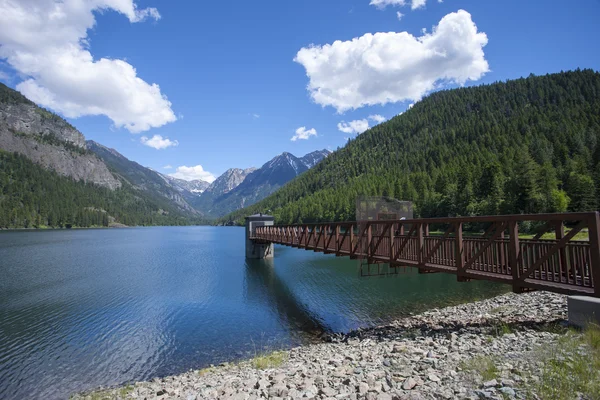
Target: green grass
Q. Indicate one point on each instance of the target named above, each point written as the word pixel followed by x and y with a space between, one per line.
pixel 502 329
pixel 269 360
pixel 124 391
pixel 581 235
pixel 205 371
pixel 484 366
pixel 572 367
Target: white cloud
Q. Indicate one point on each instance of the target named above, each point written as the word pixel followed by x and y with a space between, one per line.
pixel 4 76
pixel 158 142
pixel 168 166
pixel 303 134
pixel 389 67
pixel 47 42
pixel 414 4
pixel 356 126
pixel 256 116
pixel 193 173
pixel 377 118
pixel 399 15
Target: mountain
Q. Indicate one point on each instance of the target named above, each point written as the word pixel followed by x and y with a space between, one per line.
pixel 312 159
pixel 141 178
pixel 192 187
pixel 49 177
pixel 48 141
pixel 226 194
pixel 523 146
pixel 209 201
pixel 229 181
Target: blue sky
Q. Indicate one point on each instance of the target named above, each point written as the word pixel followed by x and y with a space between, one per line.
pixel 237 84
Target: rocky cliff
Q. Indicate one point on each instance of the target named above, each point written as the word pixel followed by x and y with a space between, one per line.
pixel 48 140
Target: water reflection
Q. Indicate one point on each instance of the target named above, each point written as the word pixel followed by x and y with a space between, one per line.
pixel 264 285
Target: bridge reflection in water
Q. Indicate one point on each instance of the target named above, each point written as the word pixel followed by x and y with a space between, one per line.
pixel 263 284
pixel 561 264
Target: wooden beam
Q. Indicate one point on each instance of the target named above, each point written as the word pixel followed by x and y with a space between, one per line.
pixel 594 233
pixel 459 254
pixel 404 243
pixel 561 243
pixel 491 240
pixel 438 244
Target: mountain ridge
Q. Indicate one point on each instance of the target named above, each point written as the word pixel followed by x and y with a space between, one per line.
pixel 257 183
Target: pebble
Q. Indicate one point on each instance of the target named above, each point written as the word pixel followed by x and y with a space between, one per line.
pixel 416 358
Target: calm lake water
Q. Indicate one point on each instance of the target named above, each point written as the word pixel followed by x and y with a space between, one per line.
pixel 86 308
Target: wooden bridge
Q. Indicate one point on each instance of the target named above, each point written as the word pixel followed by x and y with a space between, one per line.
pixel 560 264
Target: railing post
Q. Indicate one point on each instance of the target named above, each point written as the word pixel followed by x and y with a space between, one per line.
pixel 594 233
pixel 351 238
pixel 391 243
pixel 337 239
pixel 420 255
pixel 426 229
pixel 369 244
pixel 559 229
pixel 305 235
pixel 513 254
pixel 459 253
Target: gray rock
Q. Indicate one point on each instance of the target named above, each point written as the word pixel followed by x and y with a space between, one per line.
pixel 409 383
pixel 490 383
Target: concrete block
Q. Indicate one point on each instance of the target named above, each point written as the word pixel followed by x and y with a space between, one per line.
pixel 583 310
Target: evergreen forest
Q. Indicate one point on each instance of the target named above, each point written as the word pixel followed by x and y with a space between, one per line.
pixel 33 197
pixel 530 145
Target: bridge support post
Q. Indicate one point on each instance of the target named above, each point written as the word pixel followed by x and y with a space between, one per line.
pixel 258 249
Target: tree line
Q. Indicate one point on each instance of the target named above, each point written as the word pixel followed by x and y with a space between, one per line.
pixel 33 197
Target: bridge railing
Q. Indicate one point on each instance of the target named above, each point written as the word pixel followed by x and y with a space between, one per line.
pixel 561 264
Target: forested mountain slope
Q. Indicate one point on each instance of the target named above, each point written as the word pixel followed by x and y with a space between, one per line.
pixel 48 177
pixel 523 146
pixel 140 177
pixel 33 197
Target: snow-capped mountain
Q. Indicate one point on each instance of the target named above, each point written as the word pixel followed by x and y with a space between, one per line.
pixel 240 188
pixel 197 186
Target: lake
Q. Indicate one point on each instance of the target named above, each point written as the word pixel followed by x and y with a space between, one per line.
pixel 86 308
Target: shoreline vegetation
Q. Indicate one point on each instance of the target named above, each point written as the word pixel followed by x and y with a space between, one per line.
pixel 513 346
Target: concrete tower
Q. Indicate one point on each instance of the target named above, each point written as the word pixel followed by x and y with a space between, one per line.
pixel 254 248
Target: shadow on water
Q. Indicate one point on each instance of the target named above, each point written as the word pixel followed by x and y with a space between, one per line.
pixel 263 283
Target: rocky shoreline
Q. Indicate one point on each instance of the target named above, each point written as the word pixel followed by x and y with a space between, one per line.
pixel 486 349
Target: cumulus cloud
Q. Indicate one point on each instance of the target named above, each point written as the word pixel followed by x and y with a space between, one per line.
pixel 389 67
pixel 168 166
pixel 356 126
pixel 303 134
pixel 158 142
pixel 47 42
pixel 399 15
pixel 414 4
pixel 377 118
pixel 193 173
